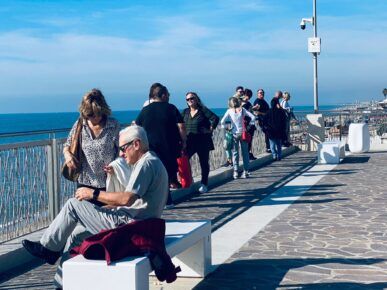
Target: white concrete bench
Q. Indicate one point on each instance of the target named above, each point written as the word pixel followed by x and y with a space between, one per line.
pixel 330 152
pixel 187 242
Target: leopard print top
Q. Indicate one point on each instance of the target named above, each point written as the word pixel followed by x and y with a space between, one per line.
pixel 97 152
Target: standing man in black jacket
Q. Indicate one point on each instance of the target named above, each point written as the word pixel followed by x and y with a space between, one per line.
pixel 260 109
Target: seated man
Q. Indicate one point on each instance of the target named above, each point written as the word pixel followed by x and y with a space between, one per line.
pixel 144 197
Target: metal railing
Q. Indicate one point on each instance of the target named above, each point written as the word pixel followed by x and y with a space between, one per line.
pixel 32 190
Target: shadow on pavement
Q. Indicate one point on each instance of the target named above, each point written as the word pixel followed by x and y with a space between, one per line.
pixel 222 204
pixel 336 285
pixel 355 159
pixel 269 273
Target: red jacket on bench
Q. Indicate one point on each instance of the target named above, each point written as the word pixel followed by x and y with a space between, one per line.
pixel 134 239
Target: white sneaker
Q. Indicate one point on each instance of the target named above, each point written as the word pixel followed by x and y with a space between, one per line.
pixel 235 175
pixel 203 189
pixel 245 174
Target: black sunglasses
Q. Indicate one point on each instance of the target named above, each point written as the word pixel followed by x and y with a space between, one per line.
pixel 190 99
pixel 125 146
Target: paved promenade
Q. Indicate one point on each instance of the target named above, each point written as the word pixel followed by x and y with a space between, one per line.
pixel 329 236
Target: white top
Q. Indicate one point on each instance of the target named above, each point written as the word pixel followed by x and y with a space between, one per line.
pixel 117 182
pixel 149 181
pixel 236 120
pixel 285 105
pixel 147 102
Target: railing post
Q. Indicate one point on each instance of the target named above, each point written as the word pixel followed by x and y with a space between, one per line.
pixel 52 179
pixel 341 126
pixel 57 175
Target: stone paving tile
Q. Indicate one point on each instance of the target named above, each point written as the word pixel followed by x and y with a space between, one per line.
pixel 333 237
pixel 220 205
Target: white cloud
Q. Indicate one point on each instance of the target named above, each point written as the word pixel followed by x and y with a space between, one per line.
pixel 189 55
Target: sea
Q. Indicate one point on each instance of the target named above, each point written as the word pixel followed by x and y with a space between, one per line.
pixel 29 123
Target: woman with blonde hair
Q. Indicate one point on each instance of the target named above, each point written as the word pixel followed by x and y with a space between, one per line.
pixel 99 135
pixel 239 118
pixel 199 122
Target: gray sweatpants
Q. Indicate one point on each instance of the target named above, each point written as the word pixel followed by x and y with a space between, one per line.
pixel 76 221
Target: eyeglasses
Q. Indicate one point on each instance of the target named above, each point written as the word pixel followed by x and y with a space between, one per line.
pixel 190 99
pixel 92 115
pixel 125 146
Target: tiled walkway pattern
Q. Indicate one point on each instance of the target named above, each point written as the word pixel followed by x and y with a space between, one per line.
pixel 333 237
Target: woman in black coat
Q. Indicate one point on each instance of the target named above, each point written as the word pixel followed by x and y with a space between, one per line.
pixel 275 128
pixel 199 122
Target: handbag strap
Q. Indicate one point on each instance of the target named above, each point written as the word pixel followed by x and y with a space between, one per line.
pixel 77 139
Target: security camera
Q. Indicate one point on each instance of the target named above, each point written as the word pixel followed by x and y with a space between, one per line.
pixel 304 21
pixel 302 24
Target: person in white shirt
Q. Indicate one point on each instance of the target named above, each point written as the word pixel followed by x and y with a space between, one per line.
pixel 236 114
pixel 144 196
pixel 289 113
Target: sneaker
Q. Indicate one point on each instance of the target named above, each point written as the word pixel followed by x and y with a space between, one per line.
pixel 169 206
pixel 268 150
pixel 203 189
pixel 235 175
pixel 36 249
pixel 245 174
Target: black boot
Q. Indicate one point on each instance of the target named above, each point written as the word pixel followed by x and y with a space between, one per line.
pixel 37 250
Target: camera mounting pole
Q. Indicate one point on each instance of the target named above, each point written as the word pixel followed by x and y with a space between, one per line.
pixel 315 78
pixel 314 46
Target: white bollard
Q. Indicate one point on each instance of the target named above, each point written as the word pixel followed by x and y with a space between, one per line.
pixel 358 138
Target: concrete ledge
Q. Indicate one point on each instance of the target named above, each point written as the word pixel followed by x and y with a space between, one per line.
pixel 13 255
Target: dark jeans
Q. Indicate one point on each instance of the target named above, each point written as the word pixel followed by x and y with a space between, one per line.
pixel 170 164
pixel 276 150
pixel 267 141
pixel 169 199
pixel 204 156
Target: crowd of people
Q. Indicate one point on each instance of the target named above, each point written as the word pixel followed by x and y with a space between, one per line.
pixel 149 150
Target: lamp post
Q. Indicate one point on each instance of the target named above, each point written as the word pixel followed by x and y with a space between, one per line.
pixel 314 44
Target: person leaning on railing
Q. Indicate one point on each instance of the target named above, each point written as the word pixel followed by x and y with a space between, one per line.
pixel 199 122
pixel 99 141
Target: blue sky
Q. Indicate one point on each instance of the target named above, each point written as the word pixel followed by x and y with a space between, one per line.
pixel 52 52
